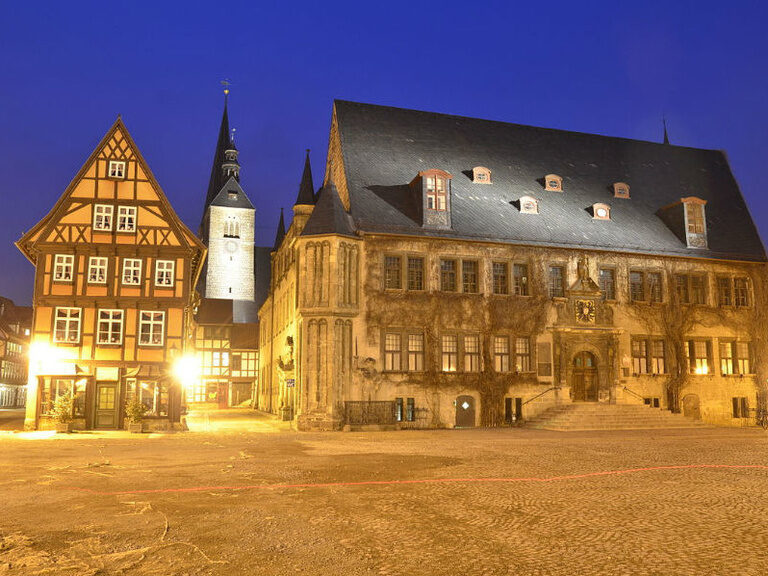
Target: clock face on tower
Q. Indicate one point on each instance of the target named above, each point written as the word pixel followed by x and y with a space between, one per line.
pixel 231 246
pixel 585 311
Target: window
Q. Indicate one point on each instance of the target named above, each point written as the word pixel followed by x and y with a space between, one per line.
pixel 652 401
pixel 698 356
pixel 435 186
pixel 52 388
pixel 237 362
pixel 553 183
pixel 528 205
pixel 116 169
pixel 639 356
pixel 501 353
pixel 67 325
pixel 392 272
pixel 620 190
pixel 392 352
pixel 472 353
pixel 637 286
pixel 469 276
pixel 97 270
pixel 520 279
pixel 448 275
pixel 556 287
pixel 658 357
pixel 726 358
pixel 220 359
pixel 740 292
pixel 415 352
pixel 601 212
pixel 691 289
pixel 607 281
pixel 63 265
pixel 110 328
pixel 132 271
pixel 450 352
pixel 399 409
pixel 151 328
pixel 153 395
pixel 654 286
pixel 724 292
pixel 740 407
pixel 695 222
pixel 415 273
pixel 102 217
pixel 164 272
pixel 500 278
pixel 523 354
pixel 126 218
pixel 743 358
pixel 481 175
pixel 410 409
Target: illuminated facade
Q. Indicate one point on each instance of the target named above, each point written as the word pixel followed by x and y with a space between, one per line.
pixel 15 325
pixel 115 270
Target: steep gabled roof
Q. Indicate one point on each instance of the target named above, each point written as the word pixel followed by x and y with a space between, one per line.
pixel 280 232
pixel 329 216
pixel 223 143
pixel 384 148
pixel 223 198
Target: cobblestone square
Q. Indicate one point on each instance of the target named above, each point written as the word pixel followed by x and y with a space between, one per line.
pixel 490 502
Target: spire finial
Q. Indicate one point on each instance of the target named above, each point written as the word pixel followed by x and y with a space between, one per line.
pixel 226 83
pixel 666 135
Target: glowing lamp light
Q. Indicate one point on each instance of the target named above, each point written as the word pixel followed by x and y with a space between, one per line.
pixel 187 370
pixel 47 359
pixel 702 370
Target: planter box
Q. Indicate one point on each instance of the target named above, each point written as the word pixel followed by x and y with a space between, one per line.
pixel 136 427
pixel 63 427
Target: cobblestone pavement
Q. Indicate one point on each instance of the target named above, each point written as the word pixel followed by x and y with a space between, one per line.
pixel 667 522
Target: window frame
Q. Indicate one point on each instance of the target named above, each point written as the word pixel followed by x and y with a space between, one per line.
pixel 415 356
pixel 130 215
pixel 152 322
pixel 502 356
pixel 563 274
pixel 107 214
pixel 387 269
pixel 421 272
pixel 160 273
pixel 98 266
pixel 454 272
pixel 451 355
pixel 391 352
pixel 116 169
pixel 472 357
pixel 477 274
pixel 66 262
pixel 524 285
pixel 526 354
pixel 612 283
pixel 131 263
pixel 111 321
pixel 68 322
pixel 500 280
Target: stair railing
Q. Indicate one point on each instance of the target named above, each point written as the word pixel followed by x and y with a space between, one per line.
pixel 541 394
pixel 635 394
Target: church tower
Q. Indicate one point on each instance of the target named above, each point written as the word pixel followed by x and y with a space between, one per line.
pixel 227 228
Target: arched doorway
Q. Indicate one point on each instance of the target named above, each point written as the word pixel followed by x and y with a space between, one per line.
pixel 465 412
pixel 584 377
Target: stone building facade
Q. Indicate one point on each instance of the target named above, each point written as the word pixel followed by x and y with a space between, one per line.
pixel 461 272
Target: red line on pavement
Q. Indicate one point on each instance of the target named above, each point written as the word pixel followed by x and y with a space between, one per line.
pixel 418 481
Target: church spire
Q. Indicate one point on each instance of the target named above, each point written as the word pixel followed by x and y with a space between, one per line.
pixel 224 159
pixel 306 188
pixel 280 232
pixel 666 136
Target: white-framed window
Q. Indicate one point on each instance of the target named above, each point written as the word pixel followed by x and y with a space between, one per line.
pixel 66 327
pixel 126 218
pixel 220 359
pixel 102 217
pixel 132 271
pixel 151 328
pixel 164 272
pixel 529 205
pixel 110 327
pixel 63 265
pixel 116 169
pixel 97 270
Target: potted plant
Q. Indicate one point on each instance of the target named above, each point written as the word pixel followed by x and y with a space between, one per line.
pixel 134 413
pixel 62 412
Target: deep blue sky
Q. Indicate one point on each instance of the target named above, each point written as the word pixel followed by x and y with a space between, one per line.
pixel 68 68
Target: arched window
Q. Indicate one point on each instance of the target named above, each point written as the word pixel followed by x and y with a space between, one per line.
pixel 231 227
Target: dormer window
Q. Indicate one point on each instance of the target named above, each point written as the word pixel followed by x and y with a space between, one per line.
pixel 529 205
pixel 481 175
pixel 116 169
pixel 233 194
pixel 695 222
pixel 620 190
pixel 553 183
pixel 435 188
pixel 601 211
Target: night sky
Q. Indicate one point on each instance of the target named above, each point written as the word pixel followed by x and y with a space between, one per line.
pixel 68 68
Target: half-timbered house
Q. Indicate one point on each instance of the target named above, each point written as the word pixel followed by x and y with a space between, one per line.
pixel 115 270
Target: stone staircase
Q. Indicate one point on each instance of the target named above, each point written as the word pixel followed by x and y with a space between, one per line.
pixel 594 416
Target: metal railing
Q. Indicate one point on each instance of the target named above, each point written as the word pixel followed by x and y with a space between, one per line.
pixel 541 394
pixel 635 394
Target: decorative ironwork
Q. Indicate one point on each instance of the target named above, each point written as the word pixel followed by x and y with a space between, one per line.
pixel 358 413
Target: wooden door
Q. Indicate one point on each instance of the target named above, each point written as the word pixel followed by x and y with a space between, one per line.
pixel 223 394
pixel 107 405
pixel 584 381
pixel 465 412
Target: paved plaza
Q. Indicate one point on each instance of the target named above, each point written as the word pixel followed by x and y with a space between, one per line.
pixel 502 501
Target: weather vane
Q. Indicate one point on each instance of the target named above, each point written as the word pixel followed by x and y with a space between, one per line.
pixel 226 83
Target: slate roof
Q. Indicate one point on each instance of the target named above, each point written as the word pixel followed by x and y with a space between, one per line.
pixel 306 187
pixel 280 231
pixel 329 216
pixel 384 148
pixel 217 174
pixel 223 198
